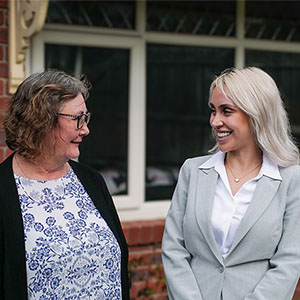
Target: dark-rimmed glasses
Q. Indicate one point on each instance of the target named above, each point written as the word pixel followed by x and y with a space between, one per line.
pixel 81 119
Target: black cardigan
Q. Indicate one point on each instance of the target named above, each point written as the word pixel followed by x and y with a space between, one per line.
pixel 13 281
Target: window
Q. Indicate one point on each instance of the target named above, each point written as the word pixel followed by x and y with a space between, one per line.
pixel 108 14
pixel 285 69
pixel 105 149
pixel 151 64
pixel 178 80
pixel 273 20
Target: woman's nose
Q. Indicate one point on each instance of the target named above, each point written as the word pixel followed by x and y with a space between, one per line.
pixel 84 129
pixel 216 121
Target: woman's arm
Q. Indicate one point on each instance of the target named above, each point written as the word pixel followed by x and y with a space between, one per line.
pixel 181 281
pixel 281 279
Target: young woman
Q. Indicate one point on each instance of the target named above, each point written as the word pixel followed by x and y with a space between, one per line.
pixel 233 228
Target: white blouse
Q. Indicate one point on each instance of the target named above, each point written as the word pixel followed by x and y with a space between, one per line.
pixel 71 253
pixel 228 210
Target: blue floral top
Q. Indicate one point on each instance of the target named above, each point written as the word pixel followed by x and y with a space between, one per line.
pixel 71 253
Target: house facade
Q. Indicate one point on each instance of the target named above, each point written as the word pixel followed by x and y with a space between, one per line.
pixel 150 64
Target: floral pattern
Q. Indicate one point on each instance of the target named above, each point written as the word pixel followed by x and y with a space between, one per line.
pixel 71 253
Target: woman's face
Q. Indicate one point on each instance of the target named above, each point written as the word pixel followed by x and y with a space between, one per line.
pixel 67 136
pixel 231 124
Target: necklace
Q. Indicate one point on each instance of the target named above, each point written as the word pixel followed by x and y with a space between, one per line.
pixel 237 179
pixel 17 161
pixel 26 176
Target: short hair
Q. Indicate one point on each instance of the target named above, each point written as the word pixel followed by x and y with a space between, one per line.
pixel 255 92
pixel 33 109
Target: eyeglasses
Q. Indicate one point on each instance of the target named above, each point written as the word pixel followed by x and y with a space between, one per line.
pixel 81 119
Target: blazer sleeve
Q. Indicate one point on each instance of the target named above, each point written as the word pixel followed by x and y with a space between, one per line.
pixel 281 279
pixel 181 281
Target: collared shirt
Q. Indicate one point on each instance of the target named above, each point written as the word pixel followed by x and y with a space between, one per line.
pixel 229 210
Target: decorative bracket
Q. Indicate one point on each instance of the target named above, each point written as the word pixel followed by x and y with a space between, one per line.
pixel 26 18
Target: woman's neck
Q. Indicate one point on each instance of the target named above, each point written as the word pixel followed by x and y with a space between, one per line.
pixel 40 168
pixel 243 160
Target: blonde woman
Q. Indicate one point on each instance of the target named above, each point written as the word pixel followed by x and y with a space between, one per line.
pixel 233 228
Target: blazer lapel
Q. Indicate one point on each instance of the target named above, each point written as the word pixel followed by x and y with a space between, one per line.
pixel 205 192
pixel 265 190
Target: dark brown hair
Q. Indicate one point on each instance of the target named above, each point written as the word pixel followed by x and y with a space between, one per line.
pixel 33 109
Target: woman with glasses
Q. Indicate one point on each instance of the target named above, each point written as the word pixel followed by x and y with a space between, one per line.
pixel 60 236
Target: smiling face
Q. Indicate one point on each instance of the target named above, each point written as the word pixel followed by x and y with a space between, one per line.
pixel 230 123
pixel 66 136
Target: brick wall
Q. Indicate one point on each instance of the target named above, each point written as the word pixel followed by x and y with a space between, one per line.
pixel 4 152
pixel 145 265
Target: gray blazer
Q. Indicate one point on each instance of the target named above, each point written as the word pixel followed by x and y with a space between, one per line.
pixel 264 260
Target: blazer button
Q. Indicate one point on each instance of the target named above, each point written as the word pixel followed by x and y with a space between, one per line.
pixel 221 269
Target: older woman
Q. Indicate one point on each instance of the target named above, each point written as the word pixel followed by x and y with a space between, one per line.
pixel 60 236
pixel 233 229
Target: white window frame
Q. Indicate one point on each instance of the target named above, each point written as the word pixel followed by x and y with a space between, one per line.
pixel 133 206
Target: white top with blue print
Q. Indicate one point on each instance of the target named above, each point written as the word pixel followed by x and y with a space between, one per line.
pixel 71 253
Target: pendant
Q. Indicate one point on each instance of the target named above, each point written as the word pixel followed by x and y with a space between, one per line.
pixel 236 180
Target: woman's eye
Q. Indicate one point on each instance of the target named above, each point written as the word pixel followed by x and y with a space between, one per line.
pixel 227 111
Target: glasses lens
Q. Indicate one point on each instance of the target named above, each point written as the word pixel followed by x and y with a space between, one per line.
pixel 88 117
pixel 83 118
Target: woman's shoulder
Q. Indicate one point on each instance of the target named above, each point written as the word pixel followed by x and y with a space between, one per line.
pixel 193 163
pixel 83 169
pixel 290 172
pixel 196 161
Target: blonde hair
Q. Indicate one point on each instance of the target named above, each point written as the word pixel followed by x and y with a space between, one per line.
pixel 255 92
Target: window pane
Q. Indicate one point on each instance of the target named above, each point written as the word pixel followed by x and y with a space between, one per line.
pixel 178 80
pixel 105 148
pixel 273 20
pixel 285 69
pixel 109 14
pixel 192 17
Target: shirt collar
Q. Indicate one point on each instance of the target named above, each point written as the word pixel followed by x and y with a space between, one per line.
pixel 269 168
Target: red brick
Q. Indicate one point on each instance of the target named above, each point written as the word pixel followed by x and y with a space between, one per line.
pixel 161 296
pixel 141 248
pixel 3 103
pixel 133 234
pixel 146 234
pixel 2 138
pixel 143 232
pixel 2 84
pixel 297 293
pixel 145 264
pixel 136 288
pixel 3 35
pixel 2 51
pixel 1 17
pixel 1 120
pixel 6 88
pixel 4 70
pixel 2 155
pixel 6 19
pixel 8 152
pixel 158 232
pixel 3 3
